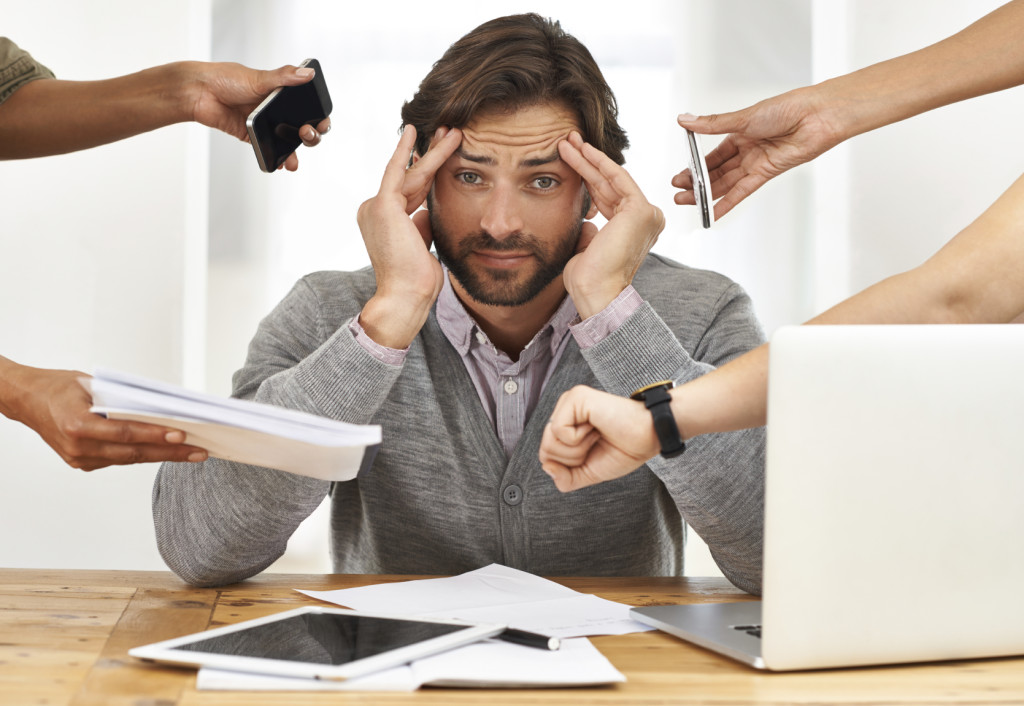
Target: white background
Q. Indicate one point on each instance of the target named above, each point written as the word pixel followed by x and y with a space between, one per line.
pixel 158 255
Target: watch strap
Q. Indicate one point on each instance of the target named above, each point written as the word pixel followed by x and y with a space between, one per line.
pixel 657 399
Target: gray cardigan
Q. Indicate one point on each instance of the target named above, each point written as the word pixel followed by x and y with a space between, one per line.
pixel 441 496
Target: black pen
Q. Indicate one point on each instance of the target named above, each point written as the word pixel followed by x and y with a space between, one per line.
pixel 530 639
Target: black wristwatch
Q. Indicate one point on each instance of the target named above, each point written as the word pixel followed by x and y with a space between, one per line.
pixel 656 398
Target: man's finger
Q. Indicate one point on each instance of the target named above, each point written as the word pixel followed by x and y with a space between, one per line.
pixel 394 172
pixel 442 147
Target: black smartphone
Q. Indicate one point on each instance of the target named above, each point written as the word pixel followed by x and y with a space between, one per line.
pixel 274 125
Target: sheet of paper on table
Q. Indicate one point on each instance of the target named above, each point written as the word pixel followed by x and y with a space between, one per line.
pixel 494 594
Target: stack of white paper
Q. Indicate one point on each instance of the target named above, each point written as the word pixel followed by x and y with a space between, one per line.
pixel 240 430
pixel 492 593
pixel 492 664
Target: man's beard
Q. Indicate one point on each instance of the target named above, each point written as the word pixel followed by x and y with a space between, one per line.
pixel 497 287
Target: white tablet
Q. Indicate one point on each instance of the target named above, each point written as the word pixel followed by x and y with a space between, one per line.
pixel 315 642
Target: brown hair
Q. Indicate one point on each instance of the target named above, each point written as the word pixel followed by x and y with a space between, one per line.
pixel 511 63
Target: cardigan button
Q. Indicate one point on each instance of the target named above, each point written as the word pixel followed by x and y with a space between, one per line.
pixel 513 495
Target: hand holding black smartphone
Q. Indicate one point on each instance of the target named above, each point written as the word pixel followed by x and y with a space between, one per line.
pixel 274 125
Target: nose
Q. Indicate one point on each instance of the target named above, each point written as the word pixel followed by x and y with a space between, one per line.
pixel 501 216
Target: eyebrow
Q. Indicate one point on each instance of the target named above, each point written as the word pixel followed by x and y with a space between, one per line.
pixel 525 164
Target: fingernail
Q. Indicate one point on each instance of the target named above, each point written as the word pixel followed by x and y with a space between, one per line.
pixel 174 437
pixel 325 130
pixel 304 73
pixel 196 457
pixel 686 118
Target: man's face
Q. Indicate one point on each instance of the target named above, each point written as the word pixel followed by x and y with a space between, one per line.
pixel 506 211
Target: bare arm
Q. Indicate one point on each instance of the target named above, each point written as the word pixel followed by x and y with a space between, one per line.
pixel 784 131
pixel 54 404
pixel 51 116
pixel 975 278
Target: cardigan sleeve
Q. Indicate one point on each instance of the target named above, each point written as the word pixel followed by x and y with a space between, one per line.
pixel 718 483
pixel 219 522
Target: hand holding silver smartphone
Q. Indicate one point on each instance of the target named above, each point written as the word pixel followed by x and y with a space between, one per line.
pixel 701 185
pixel 274 125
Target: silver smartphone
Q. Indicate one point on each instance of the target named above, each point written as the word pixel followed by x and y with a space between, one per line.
pixel 274 125
pixel 701 185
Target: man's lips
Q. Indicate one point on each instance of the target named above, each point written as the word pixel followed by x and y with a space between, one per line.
pixel 501 259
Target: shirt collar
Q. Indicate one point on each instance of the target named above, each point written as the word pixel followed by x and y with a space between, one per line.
pixel 460 328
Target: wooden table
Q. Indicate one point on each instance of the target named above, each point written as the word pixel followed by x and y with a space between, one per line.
pixel 64 638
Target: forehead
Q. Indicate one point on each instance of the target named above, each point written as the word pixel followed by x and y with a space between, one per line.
pixel 510 138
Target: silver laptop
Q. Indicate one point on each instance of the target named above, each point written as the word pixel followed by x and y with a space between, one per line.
pixel 894 508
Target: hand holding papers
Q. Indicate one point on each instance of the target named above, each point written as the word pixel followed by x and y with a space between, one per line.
pixel 240 430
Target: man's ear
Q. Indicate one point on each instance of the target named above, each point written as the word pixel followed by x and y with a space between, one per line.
pixel 589 210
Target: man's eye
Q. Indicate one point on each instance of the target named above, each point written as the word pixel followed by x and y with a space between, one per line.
pixel 469 178
pixel 544 182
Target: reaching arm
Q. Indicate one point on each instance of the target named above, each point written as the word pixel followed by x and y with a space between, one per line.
pixel 51 116
pixel 975 278
pixel 782 132
pixel 55 405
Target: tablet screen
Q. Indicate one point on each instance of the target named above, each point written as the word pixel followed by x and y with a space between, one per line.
pixel 322 638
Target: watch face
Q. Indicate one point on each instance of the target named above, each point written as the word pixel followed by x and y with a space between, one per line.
pixel 642 392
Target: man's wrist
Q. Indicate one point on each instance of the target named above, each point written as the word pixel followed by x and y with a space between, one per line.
pixel 393 324
pixel 590 331
pixel 591 302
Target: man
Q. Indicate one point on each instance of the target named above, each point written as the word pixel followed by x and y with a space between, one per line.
pixel 53 403
pixel 514 140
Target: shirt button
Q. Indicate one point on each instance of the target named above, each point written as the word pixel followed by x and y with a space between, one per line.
pixel 513 495
pixel 511 387
pixel 481 337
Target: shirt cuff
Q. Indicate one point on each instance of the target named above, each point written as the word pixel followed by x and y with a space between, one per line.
pixel 591 331
pixel 389 356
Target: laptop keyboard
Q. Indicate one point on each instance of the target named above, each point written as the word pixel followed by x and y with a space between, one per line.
pixel 754 630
